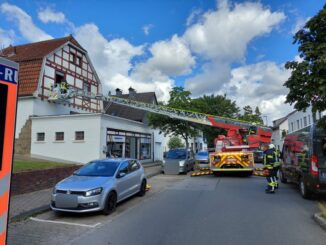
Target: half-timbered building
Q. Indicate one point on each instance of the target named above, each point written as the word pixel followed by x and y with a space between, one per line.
pixel 46 64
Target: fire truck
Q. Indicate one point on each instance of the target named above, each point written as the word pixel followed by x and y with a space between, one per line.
pixel 233 151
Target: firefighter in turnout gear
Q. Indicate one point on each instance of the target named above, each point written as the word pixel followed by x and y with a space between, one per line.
pixel 269 160
pixel 64 86
pixel 277 165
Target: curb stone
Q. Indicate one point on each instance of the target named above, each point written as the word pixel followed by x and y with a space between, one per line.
pixel 45 208
pixel 25 215
pixel 320 220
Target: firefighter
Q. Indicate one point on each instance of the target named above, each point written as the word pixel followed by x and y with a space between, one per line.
pixel 269 160
pixel 253 130
pixel 64 87
pixel 277 166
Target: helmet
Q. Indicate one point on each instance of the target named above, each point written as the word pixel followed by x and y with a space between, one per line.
pixel 271 146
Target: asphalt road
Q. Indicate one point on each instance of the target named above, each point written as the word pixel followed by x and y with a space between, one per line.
pixel 184 210
pixel 210 210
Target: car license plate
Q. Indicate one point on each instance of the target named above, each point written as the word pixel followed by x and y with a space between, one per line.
pixel 323 174
pixel 231 160
pixel 66 201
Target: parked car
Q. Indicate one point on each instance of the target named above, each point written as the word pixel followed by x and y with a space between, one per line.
pixel 99 185
pixel 258 156
pixel 304 160
pixel 202 159
pixel 178 161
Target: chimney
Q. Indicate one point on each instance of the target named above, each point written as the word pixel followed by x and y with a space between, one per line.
pixel 132 92
pixel 118 92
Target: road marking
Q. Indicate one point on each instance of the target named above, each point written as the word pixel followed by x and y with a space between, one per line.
pixel 64 223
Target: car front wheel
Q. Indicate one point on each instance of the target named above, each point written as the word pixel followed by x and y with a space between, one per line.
pixel 110 203
pixel 142 190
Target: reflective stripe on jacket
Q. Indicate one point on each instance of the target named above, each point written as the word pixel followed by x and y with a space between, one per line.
pixel 269 158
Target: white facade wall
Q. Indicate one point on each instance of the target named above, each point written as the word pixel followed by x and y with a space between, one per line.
pixel 300 119
pixel 277 138
pixel 31 106
pixel 95 130
pixel 159 140
pixel 68 150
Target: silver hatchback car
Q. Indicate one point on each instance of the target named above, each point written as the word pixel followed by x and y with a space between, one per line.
pixel 99 185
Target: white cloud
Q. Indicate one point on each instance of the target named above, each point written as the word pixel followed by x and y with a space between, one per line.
pixel 47 15
pixel 171 57
pixel 298 58
pixel 211 80
pixel 6 38
pixel 222 37
pixel 193 17
pixel 260 84
pixel 147 28
pixel 25 23
pixel 161 85
pixel 225 33
pixel 299 24
pixel 111 59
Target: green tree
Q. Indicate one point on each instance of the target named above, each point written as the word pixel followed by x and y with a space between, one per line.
pixel 179 99
pixel 250 116
pixel 307 83
pixel 175 142
pixel 214 105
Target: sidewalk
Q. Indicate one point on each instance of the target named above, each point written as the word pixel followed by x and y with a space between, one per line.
pixel 25 205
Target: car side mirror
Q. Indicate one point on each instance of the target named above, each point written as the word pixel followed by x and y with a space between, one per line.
pixel 121 174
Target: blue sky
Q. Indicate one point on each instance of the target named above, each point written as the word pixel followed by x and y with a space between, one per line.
pixel 234 47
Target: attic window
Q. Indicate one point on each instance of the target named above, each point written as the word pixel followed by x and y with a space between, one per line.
pixel 75 59
pixel 78 61
pixel 72 58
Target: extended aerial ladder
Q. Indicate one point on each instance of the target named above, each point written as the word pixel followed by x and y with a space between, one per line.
pixel 195 117
pixel 234 155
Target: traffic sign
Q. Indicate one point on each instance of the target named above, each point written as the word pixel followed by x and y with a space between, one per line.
pixel 8 102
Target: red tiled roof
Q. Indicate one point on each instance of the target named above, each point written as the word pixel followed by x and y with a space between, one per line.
pixel 29 72
pixel 30 57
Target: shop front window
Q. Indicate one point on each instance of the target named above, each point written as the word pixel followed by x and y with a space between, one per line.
pixel 145 148
pixel 128 144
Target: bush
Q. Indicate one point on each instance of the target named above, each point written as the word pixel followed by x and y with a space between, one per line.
pixel 175 142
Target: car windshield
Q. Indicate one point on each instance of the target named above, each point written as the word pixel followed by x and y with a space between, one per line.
pixel 202 154
pixel 98 168
pixel 176 154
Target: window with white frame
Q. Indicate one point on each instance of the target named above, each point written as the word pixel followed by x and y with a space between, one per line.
pixel 40 136
pixel 79 135
pixel 59 136
pixel 298 124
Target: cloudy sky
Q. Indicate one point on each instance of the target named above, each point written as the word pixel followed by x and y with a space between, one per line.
pixel 237 48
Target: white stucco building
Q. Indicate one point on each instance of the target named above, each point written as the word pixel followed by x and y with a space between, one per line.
pixel 280 129
pixel 300 119
pixel 292 122
pixel 84 137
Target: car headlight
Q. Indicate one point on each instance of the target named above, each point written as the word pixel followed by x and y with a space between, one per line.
pixel 94 192
pixel 181 163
